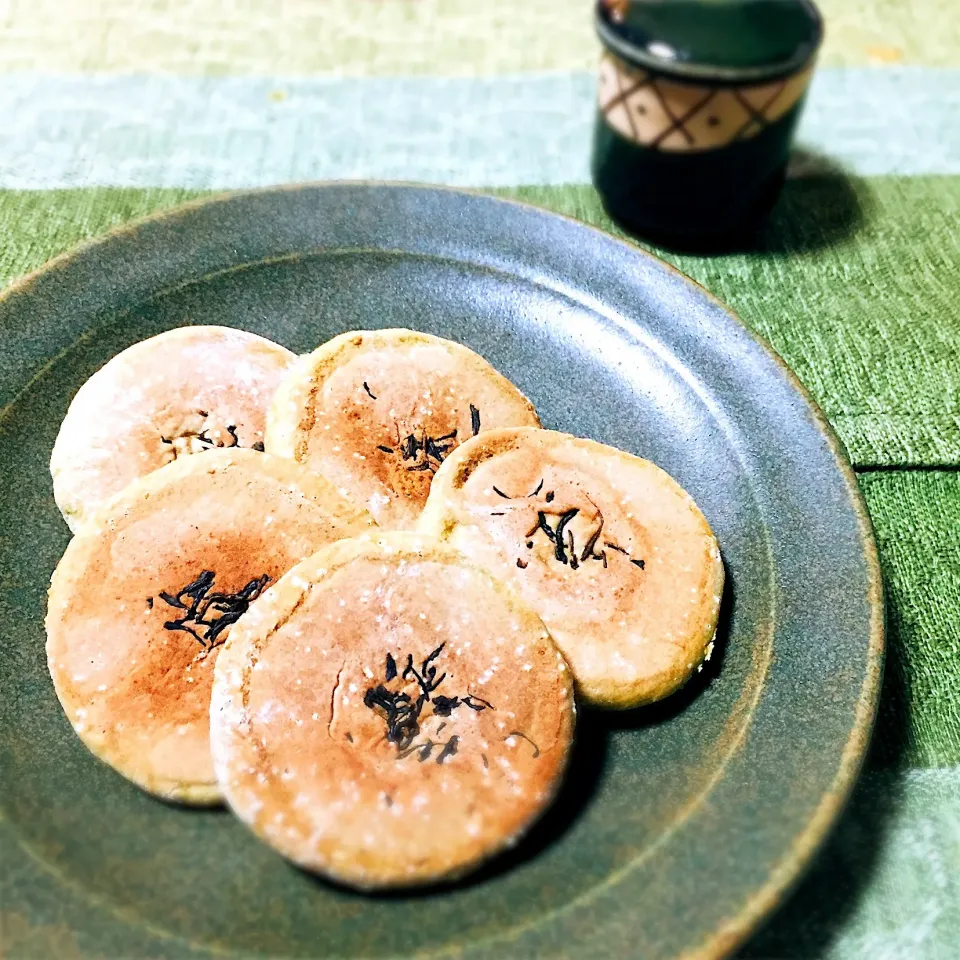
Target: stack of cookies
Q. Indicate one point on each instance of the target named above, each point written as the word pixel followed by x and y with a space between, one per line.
pixel 364 613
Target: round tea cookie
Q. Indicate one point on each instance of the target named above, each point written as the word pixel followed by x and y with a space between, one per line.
pixel 378 411
pixel 608 549
pixel 148 590
pixel 184 391
pixel 389 715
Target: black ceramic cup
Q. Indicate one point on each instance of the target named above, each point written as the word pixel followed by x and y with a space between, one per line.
pixel 697 105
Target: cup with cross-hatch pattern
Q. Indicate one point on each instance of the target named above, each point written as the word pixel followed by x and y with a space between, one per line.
pixel 697 104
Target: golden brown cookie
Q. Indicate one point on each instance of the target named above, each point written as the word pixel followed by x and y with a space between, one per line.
pixel 184 391
pixel 608 549
pixel 389 715
pixel 378 411
pixel 148 590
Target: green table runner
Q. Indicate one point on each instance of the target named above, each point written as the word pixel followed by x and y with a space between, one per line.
pixel 115 109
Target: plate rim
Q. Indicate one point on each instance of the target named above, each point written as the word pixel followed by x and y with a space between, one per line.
pixel 792 864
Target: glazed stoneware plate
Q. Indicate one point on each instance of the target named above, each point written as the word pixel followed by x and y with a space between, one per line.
pixel 680 826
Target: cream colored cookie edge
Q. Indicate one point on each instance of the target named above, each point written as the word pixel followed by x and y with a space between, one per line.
pixel 74 563
pixel 439 519
pixel 275 607
pixel 69 436
pixel 288 411
pixel 70 568
pixel 312 485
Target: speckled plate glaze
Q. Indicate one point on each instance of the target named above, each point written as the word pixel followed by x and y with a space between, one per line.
pixel 682 825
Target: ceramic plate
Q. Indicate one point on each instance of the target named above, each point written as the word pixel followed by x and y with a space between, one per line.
pixel 681 825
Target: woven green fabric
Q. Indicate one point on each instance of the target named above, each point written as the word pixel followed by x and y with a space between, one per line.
pixel 812 307
pixel 854 284
pixel 884 886
pixel 916 516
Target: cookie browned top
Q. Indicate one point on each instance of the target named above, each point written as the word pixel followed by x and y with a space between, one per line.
pixel 184 391
pixel 147 592
pixel 389 715
pixel 608 549
pixel 378 411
